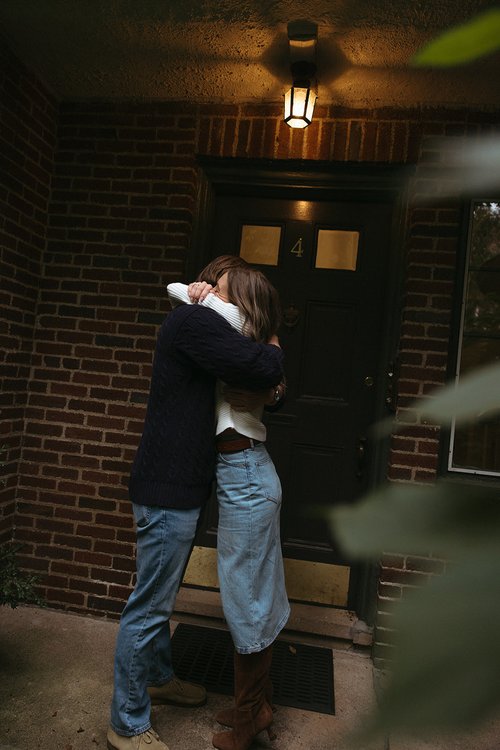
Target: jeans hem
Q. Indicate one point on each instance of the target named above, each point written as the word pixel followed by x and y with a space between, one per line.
pixel 267 642
pixel 133 733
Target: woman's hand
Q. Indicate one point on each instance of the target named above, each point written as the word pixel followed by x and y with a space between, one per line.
pixel 242 400
pixel 198 290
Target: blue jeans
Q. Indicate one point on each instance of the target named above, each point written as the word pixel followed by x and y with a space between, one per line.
pixel 143 652
pixel 249 558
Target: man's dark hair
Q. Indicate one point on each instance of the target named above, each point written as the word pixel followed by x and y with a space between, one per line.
pixel 219 266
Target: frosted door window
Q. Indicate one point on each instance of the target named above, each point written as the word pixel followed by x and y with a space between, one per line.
pixel 260 245
pixel 337 249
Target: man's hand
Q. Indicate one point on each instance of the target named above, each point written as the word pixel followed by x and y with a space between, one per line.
pixel 198 290
pixel 243 400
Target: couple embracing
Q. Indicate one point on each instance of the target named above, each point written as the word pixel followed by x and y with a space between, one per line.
pixel 217 363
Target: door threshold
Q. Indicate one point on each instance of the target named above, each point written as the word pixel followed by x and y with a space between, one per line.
pixel 312 619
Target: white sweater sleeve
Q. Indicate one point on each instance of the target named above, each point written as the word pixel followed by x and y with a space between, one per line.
pixel 178 294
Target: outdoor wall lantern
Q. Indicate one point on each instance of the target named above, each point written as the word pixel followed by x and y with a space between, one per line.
pixel 301 97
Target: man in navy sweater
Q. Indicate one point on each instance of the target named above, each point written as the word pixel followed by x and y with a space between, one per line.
pixel 170 481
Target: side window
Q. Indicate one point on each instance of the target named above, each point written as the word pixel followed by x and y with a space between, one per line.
pixel 475 447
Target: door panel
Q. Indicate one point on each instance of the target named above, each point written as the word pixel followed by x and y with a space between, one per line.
pixel 315 379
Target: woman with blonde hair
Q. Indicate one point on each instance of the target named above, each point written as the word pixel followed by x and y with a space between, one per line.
pixel 249 557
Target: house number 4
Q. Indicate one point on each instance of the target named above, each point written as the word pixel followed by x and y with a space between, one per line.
pixel 297 248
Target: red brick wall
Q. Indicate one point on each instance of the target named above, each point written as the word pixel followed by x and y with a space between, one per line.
pixel 120 220
pixel 336 134
pixel 27 140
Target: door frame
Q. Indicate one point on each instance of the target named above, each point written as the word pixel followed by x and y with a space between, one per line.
pixel 319 180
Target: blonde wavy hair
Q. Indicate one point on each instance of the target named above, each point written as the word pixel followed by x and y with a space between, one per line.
pixel 256 297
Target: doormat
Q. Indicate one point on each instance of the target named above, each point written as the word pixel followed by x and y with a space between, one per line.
pixel 302 675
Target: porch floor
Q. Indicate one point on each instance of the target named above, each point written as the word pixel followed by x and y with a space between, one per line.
pixel 56 682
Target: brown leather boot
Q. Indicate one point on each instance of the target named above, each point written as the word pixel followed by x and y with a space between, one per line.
pixel 247 725
pixel 226 715
pixel 252 713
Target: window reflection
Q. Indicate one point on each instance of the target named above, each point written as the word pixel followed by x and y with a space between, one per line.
pixel 476 447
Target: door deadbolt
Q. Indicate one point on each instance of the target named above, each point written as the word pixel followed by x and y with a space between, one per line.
pixel 291 316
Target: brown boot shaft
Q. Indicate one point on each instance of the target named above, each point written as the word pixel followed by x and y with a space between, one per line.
pixel 252 712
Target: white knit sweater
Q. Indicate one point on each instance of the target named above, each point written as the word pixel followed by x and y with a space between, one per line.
pixel 248 423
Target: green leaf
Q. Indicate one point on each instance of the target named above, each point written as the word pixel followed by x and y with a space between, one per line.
pixel 16 587
pixel 445 671
pixel 446 519
pixel 463 43
pixel 475 395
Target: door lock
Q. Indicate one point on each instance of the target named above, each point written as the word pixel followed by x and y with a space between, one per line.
pixel 291 316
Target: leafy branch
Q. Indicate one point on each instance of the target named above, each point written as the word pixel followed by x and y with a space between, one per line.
pixel 447 642
pixel 462 44
pixel 16 587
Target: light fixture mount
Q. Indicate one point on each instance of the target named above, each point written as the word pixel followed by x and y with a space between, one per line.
pixel 302 72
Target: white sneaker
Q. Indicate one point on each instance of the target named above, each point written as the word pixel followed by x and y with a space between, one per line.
pixel 148 740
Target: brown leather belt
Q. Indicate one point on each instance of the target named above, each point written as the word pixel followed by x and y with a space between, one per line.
pixel 234 442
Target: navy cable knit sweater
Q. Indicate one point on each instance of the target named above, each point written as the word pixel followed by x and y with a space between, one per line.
pixel 175 460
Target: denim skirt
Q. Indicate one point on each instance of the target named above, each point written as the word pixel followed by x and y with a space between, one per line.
pixel 249 557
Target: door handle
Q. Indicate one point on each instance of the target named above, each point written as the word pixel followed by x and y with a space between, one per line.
pixel 291 316
pixel 361 456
